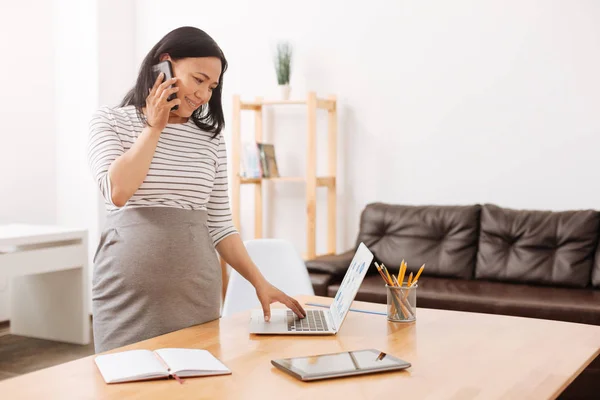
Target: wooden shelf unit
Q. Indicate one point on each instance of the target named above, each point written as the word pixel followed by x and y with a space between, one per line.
pixel 310 180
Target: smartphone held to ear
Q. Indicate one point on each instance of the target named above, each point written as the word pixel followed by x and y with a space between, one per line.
pixel 165 67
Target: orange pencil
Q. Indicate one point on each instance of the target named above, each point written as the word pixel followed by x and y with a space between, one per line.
pixel 381 273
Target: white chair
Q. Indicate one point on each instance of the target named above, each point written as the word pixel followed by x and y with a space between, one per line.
pixel 279 263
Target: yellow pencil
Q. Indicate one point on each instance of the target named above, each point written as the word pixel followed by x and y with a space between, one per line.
pixel 402 272
pixel 386 272
pixel 419 273
pixel 410 279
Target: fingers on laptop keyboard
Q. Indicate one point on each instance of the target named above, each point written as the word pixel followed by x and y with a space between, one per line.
pixel 314 321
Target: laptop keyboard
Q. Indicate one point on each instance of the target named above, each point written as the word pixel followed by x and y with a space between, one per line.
pixel 313 322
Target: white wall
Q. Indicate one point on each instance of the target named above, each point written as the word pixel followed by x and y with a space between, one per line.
pixel 76 75
pixel 440 102
pixel 27 114
pixel 27 135
pixel 117 69
pixel 70 57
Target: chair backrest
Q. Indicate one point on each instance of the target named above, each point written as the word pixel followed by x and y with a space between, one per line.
pixel 280 264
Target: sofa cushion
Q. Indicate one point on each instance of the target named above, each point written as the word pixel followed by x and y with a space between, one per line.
pixel 442 237
pixel 523 300
pixel 562 304
pixel 543 247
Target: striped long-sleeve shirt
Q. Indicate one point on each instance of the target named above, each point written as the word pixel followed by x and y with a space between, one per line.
pixel 188 169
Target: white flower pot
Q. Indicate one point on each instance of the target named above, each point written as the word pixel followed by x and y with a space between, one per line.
pixel 285 91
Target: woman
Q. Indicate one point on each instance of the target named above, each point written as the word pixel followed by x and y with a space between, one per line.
pixel 163 175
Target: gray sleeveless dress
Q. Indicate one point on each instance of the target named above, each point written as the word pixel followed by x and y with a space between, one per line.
pixel 155 271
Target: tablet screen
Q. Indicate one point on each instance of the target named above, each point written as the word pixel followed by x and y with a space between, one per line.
pixel 341 363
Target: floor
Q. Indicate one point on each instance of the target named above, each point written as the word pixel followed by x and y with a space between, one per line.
pixel 20 355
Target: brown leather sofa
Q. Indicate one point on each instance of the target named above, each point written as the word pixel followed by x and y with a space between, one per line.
pixel 481 258
pixel 484 258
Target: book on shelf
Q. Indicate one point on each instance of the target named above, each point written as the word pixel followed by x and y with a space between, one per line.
pixel 140 365
pixel 258 160
pixel 250 161
pixel 267 160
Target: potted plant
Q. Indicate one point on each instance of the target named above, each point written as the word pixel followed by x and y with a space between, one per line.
pixel 283 60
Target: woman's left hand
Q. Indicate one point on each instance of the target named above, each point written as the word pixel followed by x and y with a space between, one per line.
pixel 268 294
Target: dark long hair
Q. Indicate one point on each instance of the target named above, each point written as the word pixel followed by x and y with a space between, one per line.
pixel 184 42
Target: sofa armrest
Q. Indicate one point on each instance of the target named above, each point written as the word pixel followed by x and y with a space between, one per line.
pixel 335 265
pixel 320 282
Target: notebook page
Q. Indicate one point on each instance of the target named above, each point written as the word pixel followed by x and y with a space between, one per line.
pixel 189 362
pixel 129 366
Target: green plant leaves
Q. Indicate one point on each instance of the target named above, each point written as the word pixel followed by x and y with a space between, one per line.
pixel 283 61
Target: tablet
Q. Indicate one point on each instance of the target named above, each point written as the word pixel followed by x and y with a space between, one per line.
pixel 336 365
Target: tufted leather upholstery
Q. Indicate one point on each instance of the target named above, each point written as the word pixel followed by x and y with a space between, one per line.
pixel 551 248
pixel 443 237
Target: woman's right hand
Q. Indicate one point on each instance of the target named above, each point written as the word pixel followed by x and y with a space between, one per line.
pixel 157 106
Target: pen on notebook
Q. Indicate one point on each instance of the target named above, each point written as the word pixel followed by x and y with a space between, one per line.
pixel 178 379
pixel 352 309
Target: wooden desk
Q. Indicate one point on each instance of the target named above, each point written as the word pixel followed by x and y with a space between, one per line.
pixel 455 355
pixel 49 290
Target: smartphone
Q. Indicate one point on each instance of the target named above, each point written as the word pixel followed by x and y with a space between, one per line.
pixel 164 66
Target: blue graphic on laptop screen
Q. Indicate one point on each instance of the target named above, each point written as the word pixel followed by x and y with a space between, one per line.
pixel 349 285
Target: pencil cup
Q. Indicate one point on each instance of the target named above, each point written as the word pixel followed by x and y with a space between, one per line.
pixel 401 303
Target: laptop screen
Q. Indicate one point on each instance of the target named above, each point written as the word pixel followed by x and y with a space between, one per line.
pixel 350 285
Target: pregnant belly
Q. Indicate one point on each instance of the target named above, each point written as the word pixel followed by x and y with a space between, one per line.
pixel 148 260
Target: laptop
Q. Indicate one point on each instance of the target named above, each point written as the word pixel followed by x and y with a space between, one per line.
pixel 317 321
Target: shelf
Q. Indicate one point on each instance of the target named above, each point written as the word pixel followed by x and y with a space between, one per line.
pixel 321 181
pixel 257 105
pixel 311 105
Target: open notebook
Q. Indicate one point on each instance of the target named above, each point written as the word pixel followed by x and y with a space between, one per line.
pixel 138 365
